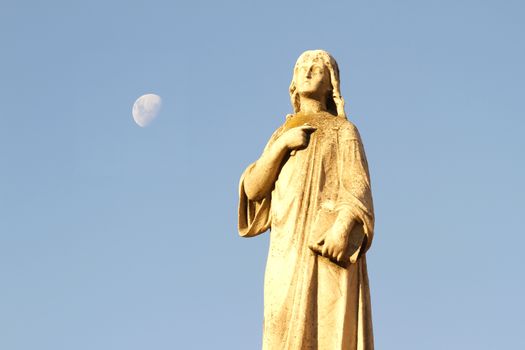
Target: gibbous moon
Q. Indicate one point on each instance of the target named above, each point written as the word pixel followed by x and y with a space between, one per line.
pixel 146 108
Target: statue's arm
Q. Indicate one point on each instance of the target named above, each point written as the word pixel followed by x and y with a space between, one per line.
pixel 260 178
pixel 352 230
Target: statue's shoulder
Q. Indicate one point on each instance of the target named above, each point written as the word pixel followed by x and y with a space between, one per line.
pixel 348 129
pixel 276 134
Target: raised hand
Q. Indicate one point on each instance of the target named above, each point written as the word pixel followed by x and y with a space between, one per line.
pixel 297 138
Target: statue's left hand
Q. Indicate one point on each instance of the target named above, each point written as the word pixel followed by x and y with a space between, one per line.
pixel 334 245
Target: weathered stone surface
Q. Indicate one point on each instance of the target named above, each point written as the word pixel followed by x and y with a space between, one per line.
pixel 311 187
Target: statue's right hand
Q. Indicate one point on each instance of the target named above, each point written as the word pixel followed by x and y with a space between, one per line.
pixel 298 137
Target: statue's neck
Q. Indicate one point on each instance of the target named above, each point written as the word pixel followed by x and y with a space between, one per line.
pixel 312 106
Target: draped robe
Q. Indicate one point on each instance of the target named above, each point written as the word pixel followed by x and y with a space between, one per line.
pixel 311 302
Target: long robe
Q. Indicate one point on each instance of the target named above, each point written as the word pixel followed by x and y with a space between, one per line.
pixel 311 302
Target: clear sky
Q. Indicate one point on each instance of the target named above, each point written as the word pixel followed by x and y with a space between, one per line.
pixel 114 236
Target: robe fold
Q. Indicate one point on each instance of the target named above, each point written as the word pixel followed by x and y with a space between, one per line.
pixel 311 302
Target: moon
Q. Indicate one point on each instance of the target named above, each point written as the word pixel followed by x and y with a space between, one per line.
pixel 146 108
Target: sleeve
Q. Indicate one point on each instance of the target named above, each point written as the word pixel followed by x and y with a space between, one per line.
pixel 254 216
pixel 355 195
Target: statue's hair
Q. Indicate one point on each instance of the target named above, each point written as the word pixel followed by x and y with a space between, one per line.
pixel 334 101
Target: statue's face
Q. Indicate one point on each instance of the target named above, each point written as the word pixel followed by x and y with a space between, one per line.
pixel 313 79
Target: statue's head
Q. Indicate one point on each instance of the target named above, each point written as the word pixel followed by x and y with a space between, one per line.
pixel 316 75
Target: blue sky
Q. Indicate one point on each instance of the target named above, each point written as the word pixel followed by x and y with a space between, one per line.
pixel 119 237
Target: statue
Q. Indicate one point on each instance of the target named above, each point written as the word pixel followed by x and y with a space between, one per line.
pixel 311 188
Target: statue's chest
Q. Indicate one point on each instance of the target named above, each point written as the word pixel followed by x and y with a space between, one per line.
pixel 313 165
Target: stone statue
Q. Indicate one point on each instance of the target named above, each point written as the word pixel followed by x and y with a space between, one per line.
pixel 311 188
